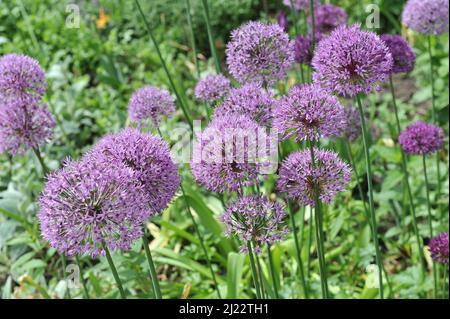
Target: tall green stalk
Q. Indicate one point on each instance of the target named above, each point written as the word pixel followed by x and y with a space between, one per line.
pixel 260 274
pixel 371 201
pixel 38 154
pixel 163 63
pixel 313 25
pixel 272 272
pixel 430 220
pixel 151 265
pixel 114 271
pixel 254 273
pixel 210 36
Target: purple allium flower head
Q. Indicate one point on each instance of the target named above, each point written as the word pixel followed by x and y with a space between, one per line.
pixel 421 138
pixel 21 76
pixel 352 128
pixel 300 4
pixel 226 155
pixel 298 178
pixel 24 124
pixel 255 218
pixel 259 53
pixel 439 248
pixel 212 88
pixel 250 100
pixel 283 21
pixel 87 203
pixel 426 16
pixel 402 54
pixel 150 103
pixel 303 48
pixel 328 17
pixel 309 112
pixel 149 157
pixel 351 61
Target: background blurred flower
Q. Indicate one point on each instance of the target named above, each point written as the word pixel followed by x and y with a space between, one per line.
pixel 283 21
pixel 352 128
pixel 421 138
pixel 402 54
pixel 426 16
pixel 212 88
pixel 327 18
pixel 303 51
pixel 439 248
pixel 300 4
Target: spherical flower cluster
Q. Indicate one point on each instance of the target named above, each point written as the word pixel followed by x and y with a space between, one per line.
pixel 303 49
pixel 149 158
pixel 21 77
pixel 421 138
pixel 86 204
pixel 439 248
pixel 255 218
pixel 351 61
pixel 151 104
pixel 300 4
pixel 402 54
pixel 283 21
pixel 308 112
pixel 328 17
pixel 352 128
pixel 248 100
pixel 212 88
pixel 259 53
pixel 426 16
pixel 299 179
pixel 226 155
pixel 24 124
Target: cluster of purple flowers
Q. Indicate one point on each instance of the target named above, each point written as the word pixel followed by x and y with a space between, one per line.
pixel 402 54
pixel 439 248
pixel 212 88
pixel 328 17
pixel 426 16
pixel 421 138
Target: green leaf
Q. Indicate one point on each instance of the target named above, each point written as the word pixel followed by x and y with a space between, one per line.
pixel 234 275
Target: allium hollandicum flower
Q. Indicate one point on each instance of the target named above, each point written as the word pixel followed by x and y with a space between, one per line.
pixel 426 16
pixel 439 248
pixel 250 100
pixel 402 53
pixel 255 218
pixel 149 158
pixel 421 138
pixel 300 4
pixel 21 76
pixel 150 104
pixel 227 154
pixel 303 51
pixel 24 124
pixel 352 128
pixel 212 88
pixel 308 112
pixel 283 21
pixel 351 61
pixel 259 52
pixel 88 203
pixel 328 17
pixel 299 179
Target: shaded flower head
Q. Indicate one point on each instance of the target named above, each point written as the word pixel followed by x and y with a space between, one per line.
pixel 303 50
pixel 227 154
pixel 351 61
pixel 299 179
pixel 21 76
pixel 300 4
pixel 328 17
pixel 250 100
pixel 24 124
pixel 352 128
pixel 421 138
pixel 149 158
pixel 259 53
pixel 87 203
pixel 308 112
pixel 283 21
pixel 439 248
pixel 212 88
pixel 255 218
pixel 150 104
pixel 426 16
pixel 402 53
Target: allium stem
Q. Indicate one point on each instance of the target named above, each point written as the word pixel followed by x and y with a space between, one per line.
pixel 430 220
pixel 114 271
pixel 210 36
pixel 260 274
pixel 272 272
pixel 163 63
pixel 64 264
pixel 38 154
pixel 151 265
pixel 371 202
pixel 298 251
pixel 444 290
pixel 254 273
pixel 313 25
pixel 296 18
pixel 406 179
pixel 83 282
pixel 193 45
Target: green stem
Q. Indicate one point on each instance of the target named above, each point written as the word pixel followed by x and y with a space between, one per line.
pixel 260 273
pixel 83 282
pixel 37 152
pixel 163 63
pixel 114 271
pixel 272 272
pixel 444 290
pixel 430 220
pixel 371 201
pixel 296 18
pixel 210 36
pixel 253 267
pixel 313 25
pixel 193 45
pixel 151 265
pixel 64 264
